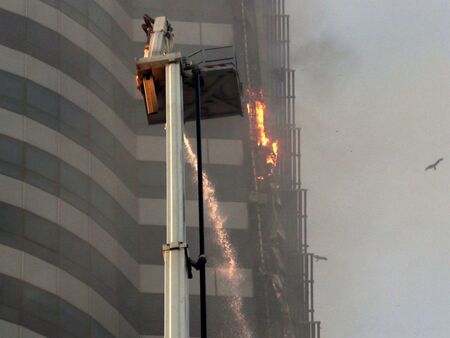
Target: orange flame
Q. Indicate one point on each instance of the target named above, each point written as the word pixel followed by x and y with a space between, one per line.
pixel 272 158
pixel 260 108
pixel 257 109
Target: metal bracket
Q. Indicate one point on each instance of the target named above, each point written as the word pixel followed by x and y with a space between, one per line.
pixel 180 246
pixel 151 77
pixel 190 263
pixel 146 64
pixel 174 246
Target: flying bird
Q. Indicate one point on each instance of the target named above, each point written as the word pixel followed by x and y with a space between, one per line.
pixel 320 258
pixel 434 165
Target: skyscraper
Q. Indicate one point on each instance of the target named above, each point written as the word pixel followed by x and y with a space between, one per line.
pixel 82 175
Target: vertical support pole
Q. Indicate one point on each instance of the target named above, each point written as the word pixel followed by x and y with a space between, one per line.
pixel 176 296
pixel 306 286
pixel 201 220
pixel 299 158
pixel 305 219
pixel 312 286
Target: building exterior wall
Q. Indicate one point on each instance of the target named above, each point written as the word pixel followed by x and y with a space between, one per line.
pixel 82 176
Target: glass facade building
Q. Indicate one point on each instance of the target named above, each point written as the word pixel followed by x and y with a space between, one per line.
pixel 82 175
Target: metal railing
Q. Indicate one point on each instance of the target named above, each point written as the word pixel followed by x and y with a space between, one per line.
pixel 214 56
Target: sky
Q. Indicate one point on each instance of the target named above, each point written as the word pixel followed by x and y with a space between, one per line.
pixel 373 102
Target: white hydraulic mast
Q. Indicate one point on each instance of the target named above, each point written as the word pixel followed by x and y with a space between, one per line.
pixel 176 318
pixel 165 68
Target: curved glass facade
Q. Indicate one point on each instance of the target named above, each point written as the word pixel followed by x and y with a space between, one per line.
pixel 82 177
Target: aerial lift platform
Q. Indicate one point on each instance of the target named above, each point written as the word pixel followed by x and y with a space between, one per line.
pixel 176 89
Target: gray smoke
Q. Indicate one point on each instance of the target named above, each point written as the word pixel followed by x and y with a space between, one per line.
pixel 372 97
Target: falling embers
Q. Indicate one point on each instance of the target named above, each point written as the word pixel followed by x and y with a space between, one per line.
pixel 230 270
